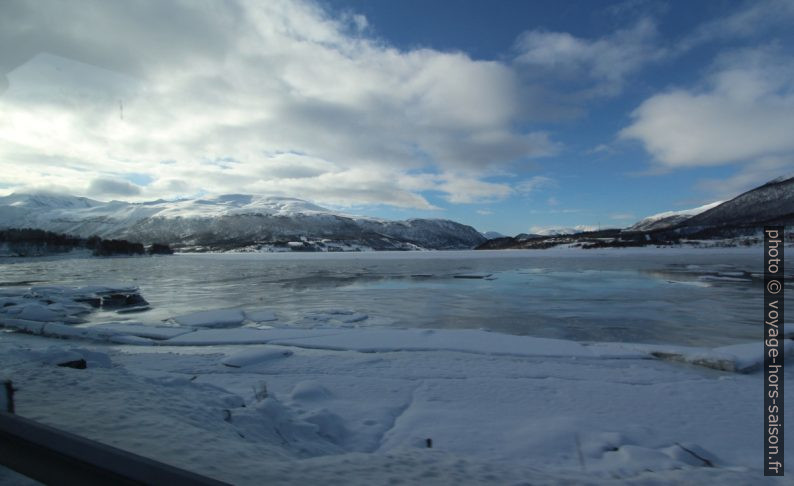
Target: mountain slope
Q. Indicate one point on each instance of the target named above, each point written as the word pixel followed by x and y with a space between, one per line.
pixel 668 219
pixel 747 213
pixel 772 203
pixel 228 221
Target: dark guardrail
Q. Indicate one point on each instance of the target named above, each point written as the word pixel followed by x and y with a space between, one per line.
pixel 53 456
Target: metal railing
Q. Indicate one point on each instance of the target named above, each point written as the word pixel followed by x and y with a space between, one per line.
pixel 53 456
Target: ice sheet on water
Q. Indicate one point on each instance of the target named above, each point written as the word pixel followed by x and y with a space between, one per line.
pixel 386 340
pixel 389 340
pixel 212 318
pixel 256 355
pixel 740 358
pixel 35 312
pixel 332 317
pixel 56 329
pixel 61 304
pixel 143 330
pixel 43 310
pixel 244 335
pixel 66 292
pixel 261 315
pixel 56 355
pixel 722 278
pixel 134 340
pixel 50 319
pixel 472 275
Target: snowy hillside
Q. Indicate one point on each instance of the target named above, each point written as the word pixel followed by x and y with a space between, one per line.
pixel 771 203
pixel 669 219
pixel 228 222
pixel 768 204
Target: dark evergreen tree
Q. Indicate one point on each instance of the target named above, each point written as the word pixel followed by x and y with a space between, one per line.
pixel 160 249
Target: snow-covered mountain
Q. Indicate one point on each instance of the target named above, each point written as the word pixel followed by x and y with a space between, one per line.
pixel 491 235
pixel 228 221
pixel 772 203
pixel 668 219
pixel 562 230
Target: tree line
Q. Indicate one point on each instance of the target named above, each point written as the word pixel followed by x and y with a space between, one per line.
pixel 36 242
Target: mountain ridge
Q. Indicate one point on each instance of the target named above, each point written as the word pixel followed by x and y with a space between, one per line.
pixel 229 221
pixel 770 203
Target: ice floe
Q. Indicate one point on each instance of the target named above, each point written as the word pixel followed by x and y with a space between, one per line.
pixel 60 304
pixel 343 316
pixel 142 330
pixel 261 315
pixel 257 355
pixel 741 358
pixel 49 311
pixel 212 318
pixel 60 355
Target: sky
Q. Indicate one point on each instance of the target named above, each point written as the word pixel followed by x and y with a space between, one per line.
pixel 510 116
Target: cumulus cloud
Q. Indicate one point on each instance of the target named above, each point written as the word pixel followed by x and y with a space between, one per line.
pixel 622 216
pixel 756 18
pixel 535 183
pixel 748 177
pixel 462 189
pixel 112 187
pixel 588 67
pixel 278 97
pixel 744 111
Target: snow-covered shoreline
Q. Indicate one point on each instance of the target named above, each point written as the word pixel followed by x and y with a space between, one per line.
pixel 345 405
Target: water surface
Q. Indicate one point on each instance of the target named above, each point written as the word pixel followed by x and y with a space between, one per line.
pixel 696 297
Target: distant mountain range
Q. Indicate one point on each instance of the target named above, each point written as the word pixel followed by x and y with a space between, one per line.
pixel 244 222
pixel 231 222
